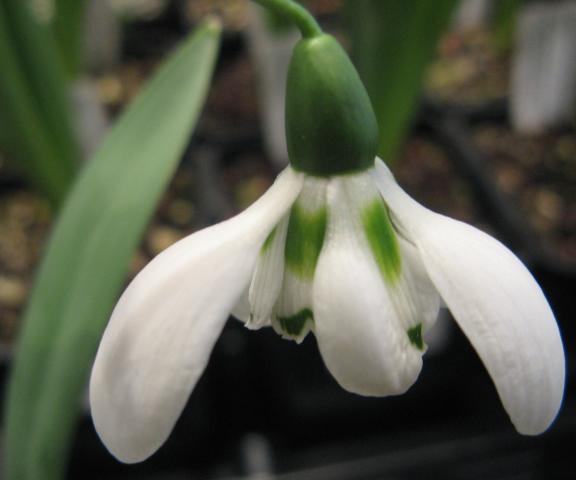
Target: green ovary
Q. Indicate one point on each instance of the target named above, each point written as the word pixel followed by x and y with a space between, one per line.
pixel 304 240
pixel 382 240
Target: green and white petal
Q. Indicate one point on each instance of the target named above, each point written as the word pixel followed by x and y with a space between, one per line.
pixel 495 301
pixel 306 228
pixel 267 279
pixel 411 291
pixel 417 282
pixel 163 329
pixel 368 338
pixel 305 234
pixel 294 317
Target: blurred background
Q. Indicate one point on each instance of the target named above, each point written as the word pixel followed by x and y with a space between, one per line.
pixel 476 100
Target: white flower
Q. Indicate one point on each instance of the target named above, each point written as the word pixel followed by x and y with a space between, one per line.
pixel 351 258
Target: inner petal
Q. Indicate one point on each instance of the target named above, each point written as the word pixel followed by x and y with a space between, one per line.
pixel 294 316
pixel 369 338
pixel 267 279
pixel 306 229
pixel 422 290
pixel 394 258
pixel 305 234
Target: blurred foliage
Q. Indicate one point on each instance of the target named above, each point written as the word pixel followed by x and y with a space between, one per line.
pixel 505 16
pixel 36 131
pixel 68 29
pixel 393 42
pixel 88 256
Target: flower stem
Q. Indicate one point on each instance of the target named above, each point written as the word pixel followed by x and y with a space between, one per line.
pixel 305 22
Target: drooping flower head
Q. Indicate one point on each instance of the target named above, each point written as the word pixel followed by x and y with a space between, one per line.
pixel 335 247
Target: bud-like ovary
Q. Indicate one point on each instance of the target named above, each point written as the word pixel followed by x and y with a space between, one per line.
pixel 331 127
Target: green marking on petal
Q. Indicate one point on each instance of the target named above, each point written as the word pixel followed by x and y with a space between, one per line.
pixel 382 240
pixel 268 241
pixel 304 240
pixel 415 336
pixel 294 324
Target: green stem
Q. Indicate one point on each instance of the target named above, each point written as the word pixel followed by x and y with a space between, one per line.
pixel 305 22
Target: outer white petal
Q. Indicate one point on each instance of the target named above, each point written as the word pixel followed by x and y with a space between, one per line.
pixel 361 334
pixel 496 302
pixel 241 310
pixel 164 326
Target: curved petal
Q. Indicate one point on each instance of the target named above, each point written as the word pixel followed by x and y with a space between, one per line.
pixel 164 326
pixel 495 301
pixel 362 334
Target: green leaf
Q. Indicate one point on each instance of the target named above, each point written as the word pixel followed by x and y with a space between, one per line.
pixel 393 42
pixel 36 127
pixel 88 255
pixel 505 16
pixel 68 29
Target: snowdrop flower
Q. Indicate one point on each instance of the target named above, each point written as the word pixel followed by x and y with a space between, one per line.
pixel 337 248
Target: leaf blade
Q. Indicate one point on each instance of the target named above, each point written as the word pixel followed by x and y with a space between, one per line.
pixel 68 29
pixel 393 42
pixel 88 254
pixel 34 114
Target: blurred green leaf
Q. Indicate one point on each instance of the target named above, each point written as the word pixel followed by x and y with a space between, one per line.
pixel 88 255
pixel 34 106
pixel 68 29
pixel 393 42
pixel 505 15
